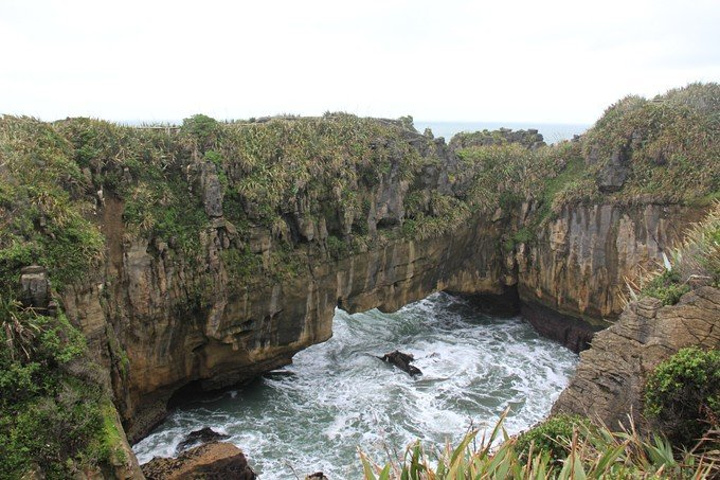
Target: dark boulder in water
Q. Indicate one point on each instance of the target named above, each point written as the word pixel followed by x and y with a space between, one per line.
pixel 199 437
pixel 316 476
pixel 402 361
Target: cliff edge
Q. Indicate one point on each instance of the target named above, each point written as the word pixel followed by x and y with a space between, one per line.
pixel 199 256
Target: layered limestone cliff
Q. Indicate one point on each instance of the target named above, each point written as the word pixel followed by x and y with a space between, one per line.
pixel 220 264
pixel 610 379
pixel 200 257
pixel 572 279
pixel 236 294
pixel 241 330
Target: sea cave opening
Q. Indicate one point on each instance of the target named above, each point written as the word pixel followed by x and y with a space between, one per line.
pixel 477 360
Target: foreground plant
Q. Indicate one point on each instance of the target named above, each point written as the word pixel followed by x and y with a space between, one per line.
pixel 588 451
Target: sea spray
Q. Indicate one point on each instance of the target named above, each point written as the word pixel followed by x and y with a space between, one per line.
pixel 341 396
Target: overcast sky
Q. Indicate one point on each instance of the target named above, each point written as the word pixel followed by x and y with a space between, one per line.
pixel 517 60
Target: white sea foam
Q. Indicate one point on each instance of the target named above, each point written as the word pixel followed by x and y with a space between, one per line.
pixel 341 397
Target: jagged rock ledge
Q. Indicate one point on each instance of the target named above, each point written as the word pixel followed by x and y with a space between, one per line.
pixel 216 460
pixel 611 375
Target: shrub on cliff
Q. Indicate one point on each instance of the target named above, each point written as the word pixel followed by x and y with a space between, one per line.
pixel 682 395
pixel 51 420
pixel 203 130
pixel 551 436
pixel 43 205
pixel 668 287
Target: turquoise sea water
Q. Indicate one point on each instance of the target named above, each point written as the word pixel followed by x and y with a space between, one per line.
pixel 340 397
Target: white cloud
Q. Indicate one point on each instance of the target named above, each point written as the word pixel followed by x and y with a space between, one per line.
pixel 458 60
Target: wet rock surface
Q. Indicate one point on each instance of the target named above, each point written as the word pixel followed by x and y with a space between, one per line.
pixel 316 476
pixel 197 437
pixel 572 332
pixel 402 361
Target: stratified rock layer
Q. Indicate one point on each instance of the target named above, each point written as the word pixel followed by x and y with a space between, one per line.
pixel 244 329
pixel 245 283
pixel 611 375
pixel 165 325
pixel 580 261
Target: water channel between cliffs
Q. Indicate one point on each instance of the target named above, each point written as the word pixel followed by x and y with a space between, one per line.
pixel 339 398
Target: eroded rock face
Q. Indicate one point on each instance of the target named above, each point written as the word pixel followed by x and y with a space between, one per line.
pixel 35 287
pixel 580 261
pixel 162 324
pixel 199 437
pixel 611 376
pixel 613 174
pixel 244 299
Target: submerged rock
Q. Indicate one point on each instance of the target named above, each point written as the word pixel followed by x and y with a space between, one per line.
pixel 402 361
pixel 204 435
pixel 212 461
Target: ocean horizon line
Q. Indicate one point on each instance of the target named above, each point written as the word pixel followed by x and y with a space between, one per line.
pixel 551 132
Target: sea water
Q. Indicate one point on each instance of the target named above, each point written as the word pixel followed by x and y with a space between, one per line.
pixel 551 132
pixel 341 397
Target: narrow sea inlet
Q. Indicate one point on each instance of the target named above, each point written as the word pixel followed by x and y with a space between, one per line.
pixel 340 396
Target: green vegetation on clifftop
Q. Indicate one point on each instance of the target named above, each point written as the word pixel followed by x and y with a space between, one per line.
pixel 274 196
pixel 682 396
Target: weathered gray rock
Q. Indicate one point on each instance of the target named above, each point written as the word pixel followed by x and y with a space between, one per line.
pixel 197 437
pixel 212 190
pixel 247 326
pixel 613 174
pixel 580 261
pixel 156 337
pixel 574 333
pixel 35 287
pixel 611 376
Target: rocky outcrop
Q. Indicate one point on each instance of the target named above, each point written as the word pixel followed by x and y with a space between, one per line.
pixel 611 376
pixel 199 437
pixel 210 461
pixel 528 138
pixel 402 361
pixel 574 333
pixel 613 173
pixel 578 265
pixel 166 326
pixel 36 290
